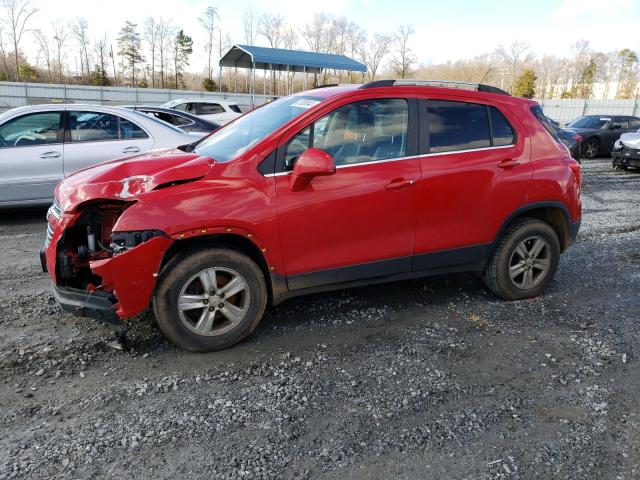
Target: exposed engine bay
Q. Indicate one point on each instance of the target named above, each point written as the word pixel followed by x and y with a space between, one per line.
pixel 91 238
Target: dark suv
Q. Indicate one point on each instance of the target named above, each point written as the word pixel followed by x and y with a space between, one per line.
pixel 325 189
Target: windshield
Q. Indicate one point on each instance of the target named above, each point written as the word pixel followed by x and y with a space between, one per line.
pixel 589 122
pixel 239 136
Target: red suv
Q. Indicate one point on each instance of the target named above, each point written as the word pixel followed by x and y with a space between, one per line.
pixel 325 189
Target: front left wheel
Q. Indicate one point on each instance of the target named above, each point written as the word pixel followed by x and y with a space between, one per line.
pixel 210 299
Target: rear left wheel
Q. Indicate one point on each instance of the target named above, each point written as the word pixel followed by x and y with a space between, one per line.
pixel 210 299
pixel 524 262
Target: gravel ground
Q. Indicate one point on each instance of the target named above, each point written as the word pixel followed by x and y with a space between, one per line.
pixel 430 378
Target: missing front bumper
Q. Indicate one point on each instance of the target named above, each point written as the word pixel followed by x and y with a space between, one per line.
pixel 97 305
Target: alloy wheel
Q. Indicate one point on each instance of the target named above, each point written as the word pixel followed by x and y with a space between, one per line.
pixel 530 262
pixel 213 301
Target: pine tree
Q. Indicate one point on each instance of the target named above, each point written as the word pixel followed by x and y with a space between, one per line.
pixel 182 48
pixel 525 85
pixel 129 47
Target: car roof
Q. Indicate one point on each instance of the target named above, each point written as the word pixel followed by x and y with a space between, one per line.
pixel 149 122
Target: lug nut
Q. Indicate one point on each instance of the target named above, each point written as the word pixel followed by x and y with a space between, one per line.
pixel 205 301
pixel 221 305
pixel 211 309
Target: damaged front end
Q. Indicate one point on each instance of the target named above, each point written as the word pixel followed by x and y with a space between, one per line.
pixel 626 151
pixel 98 272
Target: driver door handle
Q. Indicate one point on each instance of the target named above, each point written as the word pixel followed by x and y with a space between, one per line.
pixel 399 183
pixel 50 155
pixel 131 150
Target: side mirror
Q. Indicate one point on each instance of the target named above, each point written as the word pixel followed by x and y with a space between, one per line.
pixel 312 163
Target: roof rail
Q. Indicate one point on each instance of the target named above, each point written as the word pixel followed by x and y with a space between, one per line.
pixel 436 83
pixel 326 85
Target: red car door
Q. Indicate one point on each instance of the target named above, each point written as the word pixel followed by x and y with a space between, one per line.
pixel 360 221
pixel 476 172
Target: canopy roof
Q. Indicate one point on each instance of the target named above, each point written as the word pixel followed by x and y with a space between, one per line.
pixel 263 58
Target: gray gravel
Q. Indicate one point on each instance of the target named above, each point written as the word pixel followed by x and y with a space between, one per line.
pixel 430 378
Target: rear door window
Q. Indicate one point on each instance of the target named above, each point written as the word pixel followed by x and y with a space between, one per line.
pixel 211 109
pixel 456 126
pixel 99 126
pixel 235 108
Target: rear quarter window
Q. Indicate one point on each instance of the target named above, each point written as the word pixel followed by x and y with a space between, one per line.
pixel 539 114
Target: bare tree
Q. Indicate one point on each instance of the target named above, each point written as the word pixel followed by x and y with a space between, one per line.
pixel 250 26
pixel 100 76
pixel 79 31
pixel 374 53
pixel 209 22
pixel 45 51
pixel 59 39
pixel 271 27
pixel 17 14
pixel 166 33
pixel 514 57
pixel 404 57
pixel 3 52
pixel 313 32
pixel 151 35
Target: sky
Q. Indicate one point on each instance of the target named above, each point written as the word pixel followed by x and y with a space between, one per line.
pixel 445 30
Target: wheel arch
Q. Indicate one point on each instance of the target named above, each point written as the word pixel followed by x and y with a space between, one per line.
pixel 556 214
pixel 234 241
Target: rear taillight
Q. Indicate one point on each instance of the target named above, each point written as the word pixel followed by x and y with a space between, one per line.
pixel 576 169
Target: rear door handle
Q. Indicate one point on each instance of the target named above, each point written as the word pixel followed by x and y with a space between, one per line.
pixel 50 155
pixel 399 183
pixel 508 162
pixel 131 150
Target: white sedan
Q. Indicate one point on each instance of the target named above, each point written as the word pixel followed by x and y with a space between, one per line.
pixel 215 110
pixel 42 144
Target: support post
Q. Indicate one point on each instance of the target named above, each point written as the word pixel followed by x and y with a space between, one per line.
pixel 304 81
pixel 253 84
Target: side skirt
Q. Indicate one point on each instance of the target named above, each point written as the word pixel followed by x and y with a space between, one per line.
pixel 467 259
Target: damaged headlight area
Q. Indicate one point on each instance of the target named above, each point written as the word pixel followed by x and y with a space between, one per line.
pixel 91 238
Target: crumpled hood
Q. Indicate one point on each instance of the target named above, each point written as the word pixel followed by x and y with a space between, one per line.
pixel 630 140
pixel 126 178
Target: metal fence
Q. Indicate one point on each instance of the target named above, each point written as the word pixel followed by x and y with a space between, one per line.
pixel 567 109
pixel 14 94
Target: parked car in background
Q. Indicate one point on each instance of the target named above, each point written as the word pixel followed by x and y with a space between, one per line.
pixel 570 139
pixel 599 132
pixel 184 121
pixel 42 144
pixel 326 189
pixel 217 111
pixel 626 151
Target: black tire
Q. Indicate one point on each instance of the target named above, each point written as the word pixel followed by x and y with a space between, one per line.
pixel 183 273
pixel 497 276
pixel 591 148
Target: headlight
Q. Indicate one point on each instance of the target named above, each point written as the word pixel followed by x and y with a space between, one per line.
pixel 134 186
pixel 617 145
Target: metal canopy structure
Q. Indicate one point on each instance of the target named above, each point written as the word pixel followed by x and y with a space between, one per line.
pixel 284 60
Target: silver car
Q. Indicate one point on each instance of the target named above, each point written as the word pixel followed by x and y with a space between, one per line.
pixel 42 144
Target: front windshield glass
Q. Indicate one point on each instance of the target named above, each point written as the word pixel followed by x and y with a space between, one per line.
pixel 589 122
pixel 236 138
